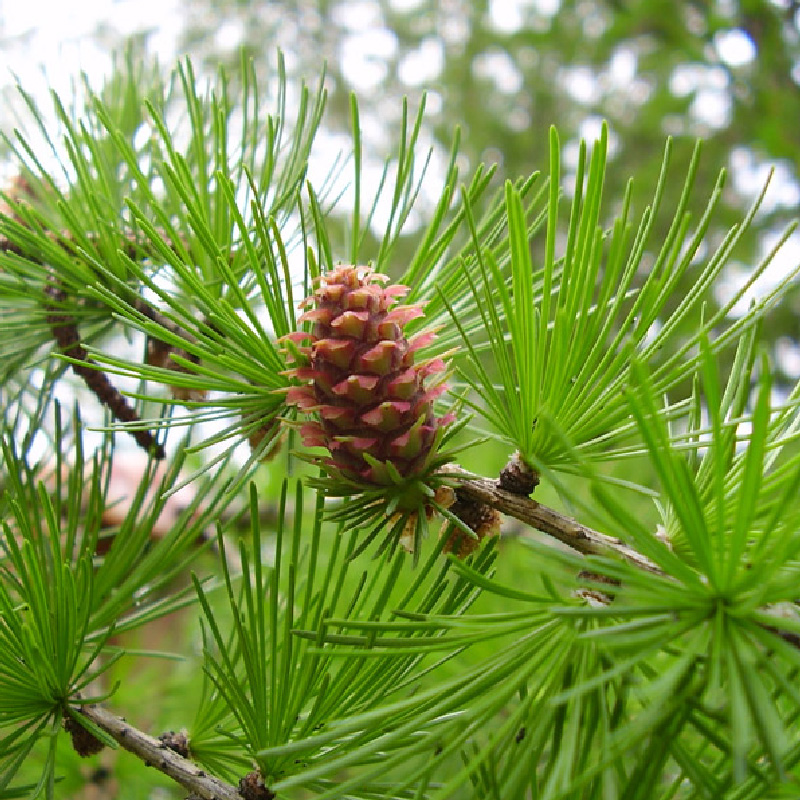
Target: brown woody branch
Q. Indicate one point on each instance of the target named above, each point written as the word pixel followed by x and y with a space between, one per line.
pixel 155 753
pixel 65 332
pixel 65 329
pixel 575 535
pixel 567 530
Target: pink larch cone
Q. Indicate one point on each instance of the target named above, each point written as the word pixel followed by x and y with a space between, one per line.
pixel 372 405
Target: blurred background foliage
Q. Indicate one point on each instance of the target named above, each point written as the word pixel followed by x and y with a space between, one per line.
pixel 504 71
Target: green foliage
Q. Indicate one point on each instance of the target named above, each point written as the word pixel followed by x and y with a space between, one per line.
pixel 60 603
pixel 333 662
pixel 563 338
pixel 275 674
pixel 504 71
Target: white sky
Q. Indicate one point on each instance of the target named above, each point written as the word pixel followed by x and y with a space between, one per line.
pixel 59 36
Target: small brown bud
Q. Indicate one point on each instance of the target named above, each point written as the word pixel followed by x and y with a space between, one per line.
pixel 159 354
pixel 271 432
pixel 445 496
pixel 518 477
pixel 252 787
pixel 177 742
pixel 479 517
pixel 86 744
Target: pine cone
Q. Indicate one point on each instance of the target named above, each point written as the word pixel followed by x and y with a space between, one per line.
pixel 373 405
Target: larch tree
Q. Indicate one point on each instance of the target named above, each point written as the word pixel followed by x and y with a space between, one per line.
pixel 612 614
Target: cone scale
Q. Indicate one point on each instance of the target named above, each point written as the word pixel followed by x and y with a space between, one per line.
pixel 370 402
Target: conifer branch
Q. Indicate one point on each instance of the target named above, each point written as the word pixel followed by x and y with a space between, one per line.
pixel 157 754
pixel 547 520
pixel 575 535
pixel 65 332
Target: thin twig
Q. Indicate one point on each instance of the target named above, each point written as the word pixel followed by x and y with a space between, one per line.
pixel 567 530
pixel 575 535
pixel 65 332
pixel 65 329
pixel 155 753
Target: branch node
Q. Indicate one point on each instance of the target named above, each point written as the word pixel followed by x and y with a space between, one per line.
pixel 518 477
pixel 479 517
pixel 177 742
pixel 85 743
pixel 252 787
